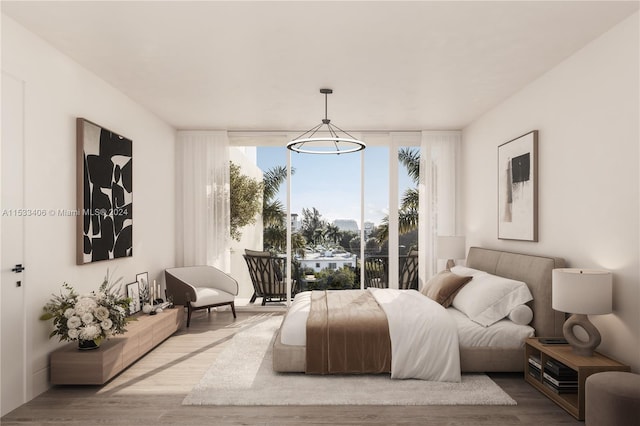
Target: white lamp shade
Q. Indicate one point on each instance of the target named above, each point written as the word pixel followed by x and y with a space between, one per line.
pixel 581 291
pixel 451 248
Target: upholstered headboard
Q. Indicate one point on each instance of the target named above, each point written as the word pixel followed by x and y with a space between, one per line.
pixel 533 270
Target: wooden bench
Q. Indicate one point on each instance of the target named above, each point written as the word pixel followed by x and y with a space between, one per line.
pixel 70 366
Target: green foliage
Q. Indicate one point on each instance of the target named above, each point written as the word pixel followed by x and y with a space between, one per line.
pixel 408 213
pixel 313 226
pixel 273 212
pixel 245 200
pixel 298 243
pixel 336 279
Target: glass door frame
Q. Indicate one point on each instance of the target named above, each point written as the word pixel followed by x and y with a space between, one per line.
pixel 394 140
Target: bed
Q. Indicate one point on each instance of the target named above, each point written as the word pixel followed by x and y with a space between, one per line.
pixel 486 354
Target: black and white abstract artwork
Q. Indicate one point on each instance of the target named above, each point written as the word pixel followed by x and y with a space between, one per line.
pixel 518 188
pixel 105 194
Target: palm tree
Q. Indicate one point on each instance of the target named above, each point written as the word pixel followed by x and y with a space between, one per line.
pixel 408 213
pixel 275 237
pixel 274 214
pixel 332 233
pixel 311 223
pixel 272 210
pixel 318 236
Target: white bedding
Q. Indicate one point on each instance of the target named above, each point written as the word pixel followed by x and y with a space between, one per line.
pixel 294 327
pixel 428 353
pixel 503 334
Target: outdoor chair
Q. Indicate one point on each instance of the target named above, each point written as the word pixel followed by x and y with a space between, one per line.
pixel 376 271
pixel 267 276
pixel 200 287
pixel 409 272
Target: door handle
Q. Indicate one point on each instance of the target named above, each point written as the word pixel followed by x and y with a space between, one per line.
pixel 19 268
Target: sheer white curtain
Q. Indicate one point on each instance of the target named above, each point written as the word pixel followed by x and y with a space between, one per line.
pixel 203 226
pixel 439 153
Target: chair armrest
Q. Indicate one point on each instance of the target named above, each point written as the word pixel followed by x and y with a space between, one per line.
pixel 181 291
pixel 223 281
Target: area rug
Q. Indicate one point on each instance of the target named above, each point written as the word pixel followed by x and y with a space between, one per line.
pixel 242 375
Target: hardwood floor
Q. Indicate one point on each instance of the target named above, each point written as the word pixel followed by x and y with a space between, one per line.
pixel 150 392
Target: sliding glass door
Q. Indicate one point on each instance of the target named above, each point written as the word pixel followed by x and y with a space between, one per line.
pixel 353 217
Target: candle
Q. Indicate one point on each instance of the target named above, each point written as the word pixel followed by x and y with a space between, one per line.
pixel 155 294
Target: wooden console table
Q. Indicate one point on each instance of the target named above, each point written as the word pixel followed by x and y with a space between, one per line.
pixel 573 403
pixel 70 366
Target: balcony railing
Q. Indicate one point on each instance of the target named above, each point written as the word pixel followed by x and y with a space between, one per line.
pixel 376 272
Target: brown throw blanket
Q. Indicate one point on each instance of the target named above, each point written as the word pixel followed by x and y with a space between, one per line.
pixel 347 332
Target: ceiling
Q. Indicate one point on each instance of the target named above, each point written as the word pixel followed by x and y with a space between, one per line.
pixel 259 65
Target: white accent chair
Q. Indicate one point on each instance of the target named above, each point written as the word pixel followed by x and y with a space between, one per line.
pixel 200 287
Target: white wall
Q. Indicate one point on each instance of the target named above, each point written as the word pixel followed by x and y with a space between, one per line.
pixel 57 90
pixel 586 110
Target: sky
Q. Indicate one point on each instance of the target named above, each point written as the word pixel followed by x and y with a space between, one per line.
pixel 331 183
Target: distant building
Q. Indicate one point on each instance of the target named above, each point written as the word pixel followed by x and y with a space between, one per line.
pixel 346 225
pixel 295 223
pixel 368 228
pixel 320 261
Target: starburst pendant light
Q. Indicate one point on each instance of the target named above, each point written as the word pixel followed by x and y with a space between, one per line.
pixel 332 143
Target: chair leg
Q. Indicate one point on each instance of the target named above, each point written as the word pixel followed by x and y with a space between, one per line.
pixel 264 300
pixel 253 298
pixel 233 309
pixel 188 314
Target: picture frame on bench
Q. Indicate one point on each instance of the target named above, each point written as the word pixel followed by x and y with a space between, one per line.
pixel 133 293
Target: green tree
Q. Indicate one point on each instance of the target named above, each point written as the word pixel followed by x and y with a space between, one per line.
pixel 408 213
pixel 372 246
pixel 345 238
pixel 298 244
pixel 339 279
pixel 274 214
pixel 312 225
pixel 332 233
pixel 354 245
pixel 244 198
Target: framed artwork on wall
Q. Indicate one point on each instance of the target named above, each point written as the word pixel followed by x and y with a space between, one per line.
pixel 518 188
pixel 105 193
pixel 133 292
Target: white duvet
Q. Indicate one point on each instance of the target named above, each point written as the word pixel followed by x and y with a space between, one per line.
pixel 424 337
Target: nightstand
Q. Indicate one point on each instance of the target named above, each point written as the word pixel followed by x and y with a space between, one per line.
pixel 578 368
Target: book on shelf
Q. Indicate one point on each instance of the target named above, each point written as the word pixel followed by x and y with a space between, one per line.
pixel 561 389
pixel 565 375
pixel 535 373
pixel 556 382
pixel 535 361
pixel 557 368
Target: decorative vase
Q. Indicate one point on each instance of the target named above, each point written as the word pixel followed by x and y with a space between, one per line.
pixel 87 345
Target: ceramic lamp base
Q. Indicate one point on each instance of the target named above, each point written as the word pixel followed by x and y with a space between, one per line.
pixel 581 347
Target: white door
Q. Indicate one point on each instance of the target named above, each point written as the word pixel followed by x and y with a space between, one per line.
pixel 12 299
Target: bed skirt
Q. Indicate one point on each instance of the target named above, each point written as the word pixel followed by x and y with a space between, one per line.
pixel 291 359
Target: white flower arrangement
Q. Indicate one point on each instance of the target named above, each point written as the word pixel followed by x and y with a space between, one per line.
pixel 95 316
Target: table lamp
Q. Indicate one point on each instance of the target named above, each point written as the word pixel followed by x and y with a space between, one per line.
pixel 450 248
pixel 581 292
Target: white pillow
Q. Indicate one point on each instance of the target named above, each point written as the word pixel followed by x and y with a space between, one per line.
pixel 465 271
pixel 521 315
pixel 488 298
